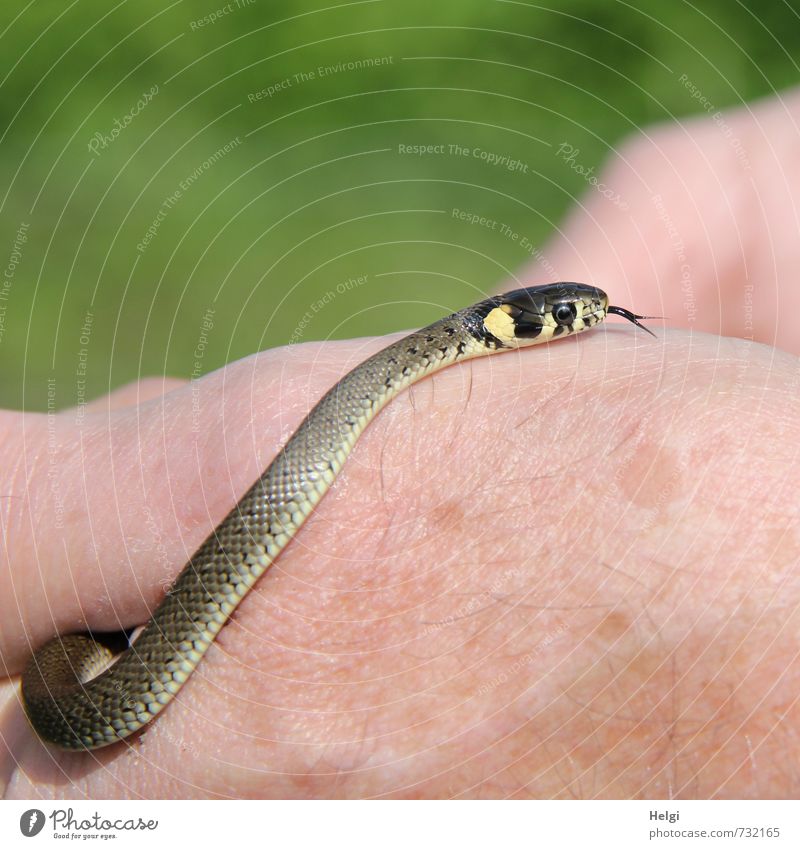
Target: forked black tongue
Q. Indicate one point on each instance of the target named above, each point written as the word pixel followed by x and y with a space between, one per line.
pixel 634 319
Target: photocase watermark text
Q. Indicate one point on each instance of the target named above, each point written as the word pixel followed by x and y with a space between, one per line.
pixel 687 289
pixel 217 14
pixel 53 451
pixel 10 271
pixel 569 153
pixel 64 819
pixel 522 661
pixel 498 160
pixel 206 326
pixel 83 360
pixel 185 184
pixel 100 141
pixel 317 73
pixel 718 118
pixel 509 232
pixel 322 302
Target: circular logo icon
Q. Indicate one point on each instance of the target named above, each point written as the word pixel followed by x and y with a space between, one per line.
pixel 31 822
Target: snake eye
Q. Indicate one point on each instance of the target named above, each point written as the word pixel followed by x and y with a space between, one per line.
pixel 564 314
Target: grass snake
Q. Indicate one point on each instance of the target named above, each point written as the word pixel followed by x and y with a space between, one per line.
pixel 78 696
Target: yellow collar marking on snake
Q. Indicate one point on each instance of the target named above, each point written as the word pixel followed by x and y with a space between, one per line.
pixel 501 325
pixel 75 700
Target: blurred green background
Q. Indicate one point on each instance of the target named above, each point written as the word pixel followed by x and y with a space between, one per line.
pixel 185 183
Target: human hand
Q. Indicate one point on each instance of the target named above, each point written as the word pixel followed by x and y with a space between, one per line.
pixel 553 573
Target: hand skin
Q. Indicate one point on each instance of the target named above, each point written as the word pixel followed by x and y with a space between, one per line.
pixel 568 571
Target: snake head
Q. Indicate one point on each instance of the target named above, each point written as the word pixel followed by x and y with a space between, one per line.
pixel 541 313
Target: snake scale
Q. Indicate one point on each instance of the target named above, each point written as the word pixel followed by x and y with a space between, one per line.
pixel 77 695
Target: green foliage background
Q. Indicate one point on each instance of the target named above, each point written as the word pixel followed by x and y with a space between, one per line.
pixel 316 191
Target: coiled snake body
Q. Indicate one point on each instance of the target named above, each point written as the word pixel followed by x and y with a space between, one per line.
pixel 73 704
